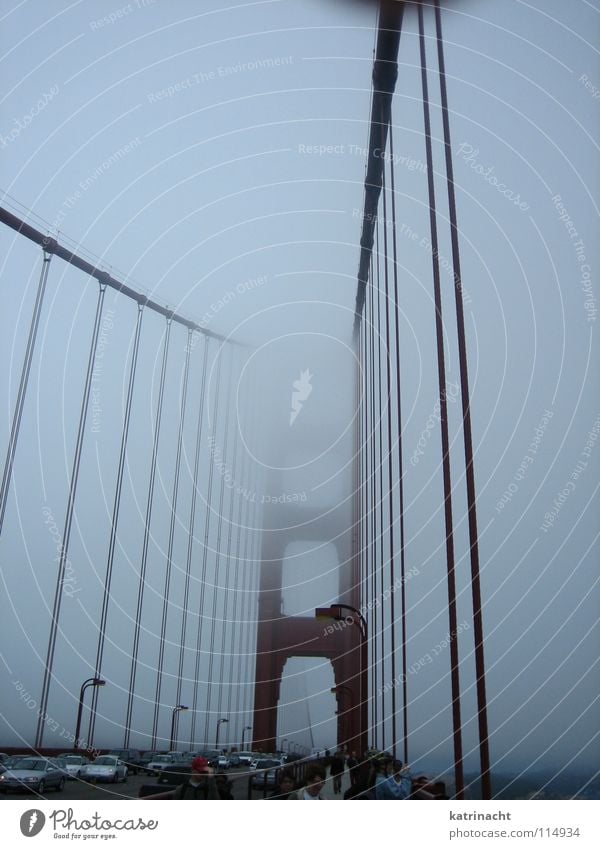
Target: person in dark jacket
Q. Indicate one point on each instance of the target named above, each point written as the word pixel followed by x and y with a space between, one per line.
pixel 223 786
pixel 336 767
pixel 200 785
pixel 352 764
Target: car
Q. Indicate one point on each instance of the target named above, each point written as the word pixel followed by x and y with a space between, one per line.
pixel 72 764
pixel 265 772
pixel 60 765
pixel 223 762
pixel 212 756
pixel 37 774
pixel 245 758
pixel 181 757
pixel 132 758
pixel 170 777
pixel 146 757
pixel 158 764
pixel 104 768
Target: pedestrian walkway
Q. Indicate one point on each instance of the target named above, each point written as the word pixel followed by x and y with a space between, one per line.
pixel 327 792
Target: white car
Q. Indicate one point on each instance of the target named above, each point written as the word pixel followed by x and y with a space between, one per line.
pixel 104 768
pixel 159 763
pixel 223 762
pixel 72 764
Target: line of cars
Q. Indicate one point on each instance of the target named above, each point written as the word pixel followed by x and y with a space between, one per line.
pixel 22 772
pixel 18 772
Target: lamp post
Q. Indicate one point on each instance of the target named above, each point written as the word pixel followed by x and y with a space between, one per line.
pixel 247 728
pixel 176 710
pixel 219 723
pixel 356 618
pixel 90 682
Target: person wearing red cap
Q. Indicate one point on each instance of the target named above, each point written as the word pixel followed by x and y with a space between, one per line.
pixel 201 783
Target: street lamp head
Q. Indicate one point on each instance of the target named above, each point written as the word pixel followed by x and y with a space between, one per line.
pixel 98 682
pixel 327 613
pixel 182 707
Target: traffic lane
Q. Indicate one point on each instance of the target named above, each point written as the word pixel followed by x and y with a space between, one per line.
pixel 79 789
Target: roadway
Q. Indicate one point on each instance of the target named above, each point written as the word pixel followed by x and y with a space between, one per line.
pixel 78 789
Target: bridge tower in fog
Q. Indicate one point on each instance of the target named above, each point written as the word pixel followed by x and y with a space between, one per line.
pixel 281 637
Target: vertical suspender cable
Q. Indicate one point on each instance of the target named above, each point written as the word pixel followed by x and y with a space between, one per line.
pixel 226 593
pixel 147 523
pixel 22 392
pixel 205 558
pixel 454 661
pixel 218 555
pixel 64 551
pixel 192 521
pixel 254 538
pixel 373 477
pixel 365 452
pixel 242 694
pixel 236 593
pixel 400 467
pixel 115 520
pixel 253 623
pixel 486 787
pixel 359 459
pixel 381 548
pixel 165 610
pixel 234 617
pixel 388 338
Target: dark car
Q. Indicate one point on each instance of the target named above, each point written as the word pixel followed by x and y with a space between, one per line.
pixel 169 778
pixel 132 758
pixel 147 757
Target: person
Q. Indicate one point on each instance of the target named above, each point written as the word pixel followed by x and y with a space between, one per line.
pixel 366 773
pixel 352 763
pixel 314 782
pixel 337 767
pixel 393 782
pixel 286 786
pixel 201 784
pixel 223 786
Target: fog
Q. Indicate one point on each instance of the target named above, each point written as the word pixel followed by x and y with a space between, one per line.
pixel 214 159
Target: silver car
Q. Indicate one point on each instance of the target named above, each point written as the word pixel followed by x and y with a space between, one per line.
pixel 159 763
pixel 104 768
pixel 37 774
